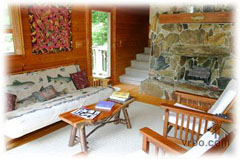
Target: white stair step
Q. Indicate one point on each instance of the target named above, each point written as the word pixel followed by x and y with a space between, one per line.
pixel 136 72
pixel 140 64
pixel 147 50
pixel 131 80
pixel 143 57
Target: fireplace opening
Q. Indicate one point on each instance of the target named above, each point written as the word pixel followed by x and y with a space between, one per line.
pixel 198 75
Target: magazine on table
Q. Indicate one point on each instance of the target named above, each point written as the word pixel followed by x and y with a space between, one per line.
pixel 106 105
pixel 86 113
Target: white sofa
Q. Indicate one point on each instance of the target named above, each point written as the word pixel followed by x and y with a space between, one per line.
pixel 30 114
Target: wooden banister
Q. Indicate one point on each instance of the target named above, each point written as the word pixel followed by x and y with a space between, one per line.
pixel 95 81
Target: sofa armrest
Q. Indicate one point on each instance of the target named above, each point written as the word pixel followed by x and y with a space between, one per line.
pixel 95 81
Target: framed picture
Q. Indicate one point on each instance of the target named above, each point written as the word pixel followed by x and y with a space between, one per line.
pixel 50 28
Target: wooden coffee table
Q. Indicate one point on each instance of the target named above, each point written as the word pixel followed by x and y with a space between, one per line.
pixel 103 118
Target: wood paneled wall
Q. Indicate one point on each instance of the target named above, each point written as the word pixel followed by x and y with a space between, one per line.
pixel 130 35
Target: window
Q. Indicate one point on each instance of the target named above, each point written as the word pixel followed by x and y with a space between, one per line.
pixel 8 46
pixel 12 36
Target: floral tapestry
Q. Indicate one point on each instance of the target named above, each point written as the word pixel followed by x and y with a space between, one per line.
pixel 50 29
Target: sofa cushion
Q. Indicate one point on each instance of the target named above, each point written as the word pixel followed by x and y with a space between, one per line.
pixel 23 85
pixel 11 101
pixel 80 80
pixel 45 94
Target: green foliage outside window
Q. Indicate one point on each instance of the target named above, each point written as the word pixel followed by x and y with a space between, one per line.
pixel 99 28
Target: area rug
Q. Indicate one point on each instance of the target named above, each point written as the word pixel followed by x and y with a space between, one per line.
pixel 110 141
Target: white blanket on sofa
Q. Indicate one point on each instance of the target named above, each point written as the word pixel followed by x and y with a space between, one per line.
pixel 26 119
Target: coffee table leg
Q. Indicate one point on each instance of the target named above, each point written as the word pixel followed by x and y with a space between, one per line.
pixel 83 139
pixel 125 113
pixel 72 136
pixel 117 117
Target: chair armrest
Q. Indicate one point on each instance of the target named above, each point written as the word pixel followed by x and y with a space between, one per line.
pixel 95 81
pixel 195 113
pixel 161 142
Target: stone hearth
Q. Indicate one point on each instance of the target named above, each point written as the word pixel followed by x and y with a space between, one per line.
pixel 164 89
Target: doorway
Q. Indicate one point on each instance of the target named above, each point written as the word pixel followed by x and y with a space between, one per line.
pixel 101 43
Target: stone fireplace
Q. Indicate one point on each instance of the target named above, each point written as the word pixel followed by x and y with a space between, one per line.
pixel 193 57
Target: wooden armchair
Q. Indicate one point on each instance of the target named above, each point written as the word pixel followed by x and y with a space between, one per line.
pixel 197 115
pixel 95 81
pixel 191 124
pixel 166 145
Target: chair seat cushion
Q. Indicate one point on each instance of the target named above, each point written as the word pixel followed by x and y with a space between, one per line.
pixel 207 141
pixel 172 119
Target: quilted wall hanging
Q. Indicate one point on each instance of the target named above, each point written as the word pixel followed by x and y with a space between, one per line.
pixel 50 28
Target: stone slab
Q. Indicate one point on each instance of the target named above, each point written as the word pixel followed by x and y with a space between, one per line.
pixel 164 89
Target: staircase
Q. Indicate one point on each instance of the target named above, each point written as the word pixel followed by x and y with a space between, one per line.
pixel 138 71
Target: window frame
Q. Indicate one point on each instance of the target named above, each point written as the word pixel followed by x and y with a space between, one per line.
pixel 16 29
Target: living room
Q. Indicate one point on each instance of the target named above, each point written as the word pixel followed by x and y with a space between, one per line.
pixel 167 70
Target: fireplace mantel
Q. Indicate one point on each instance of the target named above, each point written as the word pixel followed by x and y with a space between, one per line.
pixel 199 51
pixel 211 17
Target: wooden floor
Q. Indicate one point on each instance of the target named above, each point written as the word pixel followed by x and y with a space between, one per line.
pixel 132 89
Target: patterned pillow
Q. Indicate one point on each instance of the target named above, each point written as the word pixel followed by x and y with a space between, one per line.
pixel 11 102
pixel 27 101
pixel 45 93
pixel 80 80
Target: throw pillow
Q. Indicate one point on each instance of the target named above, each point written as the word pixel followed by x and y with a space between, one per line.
pixel 80 80
pixel 27 101
pixel 11 101
pixel 45 94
